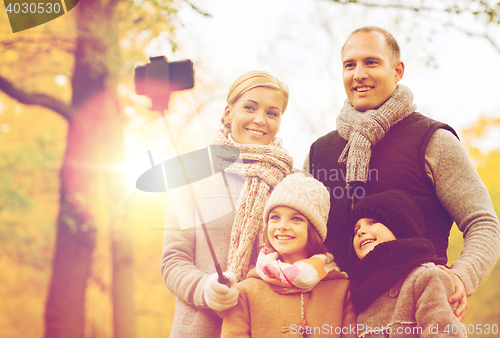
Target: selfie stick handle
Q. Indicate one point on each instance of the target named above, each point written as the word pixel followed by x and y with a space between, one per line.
pixel 222 279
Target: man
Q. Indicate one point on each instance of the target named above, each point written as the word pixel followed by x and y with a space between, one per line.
pixel 382 143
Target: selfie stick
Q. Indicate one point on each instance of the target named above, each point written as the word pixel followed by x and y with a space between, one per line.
pixel 222 279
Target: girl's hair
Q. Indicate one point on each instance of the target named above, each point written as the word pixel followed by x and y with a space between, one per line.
pixel 314 246
pixel 254 79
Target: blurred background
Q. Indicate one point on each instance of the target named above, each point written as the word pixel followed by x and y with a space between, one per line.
pixel 80 246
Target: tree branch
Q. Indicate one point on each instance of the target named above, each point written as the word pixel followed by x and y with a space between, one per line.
pixel 111 6
pixel 197 9
pixel 479 35
pixel 457 8
pixel 396 6
pixel 40 44
pixel 491 41
pixel 486 9
pixel 39 99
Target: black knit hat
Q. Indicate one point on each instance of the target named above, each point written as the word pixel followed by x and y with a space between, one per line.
pixel 396 209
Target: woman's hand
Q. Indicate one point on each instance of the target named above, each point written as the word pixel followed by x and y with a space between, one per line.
pixel 219 296
pixel 459 296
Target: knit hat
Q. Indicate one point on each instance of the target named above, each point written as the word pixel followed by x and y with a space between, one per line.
pixel 304 194
pixel 396 209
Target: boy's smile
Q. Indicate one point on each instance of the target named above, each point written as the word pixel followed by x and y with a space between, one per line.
pixel 367 234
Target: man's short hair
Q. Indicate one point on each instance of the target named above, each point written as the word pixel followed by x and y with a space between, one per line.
pixel 389 39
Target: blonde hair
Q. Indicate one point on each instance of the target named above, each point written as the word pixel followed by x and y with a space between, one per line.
pixel 254 79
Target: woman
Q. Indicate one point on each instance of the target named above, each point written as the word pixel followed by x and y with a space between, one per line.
pixel 251 120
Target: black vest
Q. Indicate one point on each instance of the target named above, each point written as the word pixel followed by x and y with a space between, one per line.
pixel 397 162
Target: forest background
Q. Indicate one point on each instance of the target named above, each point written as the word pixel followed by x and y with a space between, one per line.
pixel 80 246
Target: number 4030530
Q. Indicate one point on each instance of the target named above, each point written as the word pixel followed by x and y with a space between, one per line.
pixel 471 329
pixel 33 8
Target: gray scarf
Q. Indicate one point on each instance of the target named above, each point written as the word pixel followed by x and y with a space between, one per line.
pixel 363 130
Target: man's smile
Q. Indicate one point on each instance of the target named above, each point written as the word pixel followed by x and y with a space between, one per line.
pixel 363 89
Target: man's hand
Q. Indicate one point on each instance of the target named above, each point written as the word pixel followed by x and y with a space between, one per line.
pixel 219 296
pixel 459 296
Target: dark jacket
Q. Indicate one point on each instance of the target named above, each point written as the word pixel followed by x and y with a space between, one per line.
pixel 397 162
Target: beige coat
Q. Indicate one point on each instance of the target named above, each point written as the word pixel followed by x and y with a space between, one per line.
pixel 416 306
pixel 187 263
pixel 264 313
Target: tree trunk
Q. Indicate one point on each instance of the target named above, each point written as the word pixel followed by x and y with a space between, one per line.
pixel 92 186
pixel 123 287
pixel 75 241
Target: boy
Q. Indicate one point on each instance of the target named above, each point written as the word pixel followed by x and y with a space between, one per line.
pixel 396 287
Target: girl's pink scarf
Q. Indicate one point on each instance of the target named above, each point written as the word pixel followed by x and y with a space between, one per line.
pixel 301 276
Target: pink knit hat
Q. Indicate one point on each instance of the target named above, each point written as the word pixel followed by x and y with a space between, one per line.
pixel 304 194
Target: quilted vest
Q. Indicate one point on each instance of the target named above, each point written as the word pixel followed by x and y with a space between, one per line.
pixel 397 162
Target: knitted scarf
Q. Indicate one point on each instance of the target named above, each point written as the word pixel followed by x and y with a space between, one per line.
pixel 264 166
pixel 363 130
pixel 301 276
pixel 385 265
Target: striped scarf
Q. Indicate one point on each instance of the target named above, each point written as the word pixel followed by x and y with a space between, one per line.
pixel 264 166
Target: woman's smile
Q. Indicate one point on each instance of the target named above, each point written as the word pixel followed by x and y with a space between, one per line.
pixel 255 132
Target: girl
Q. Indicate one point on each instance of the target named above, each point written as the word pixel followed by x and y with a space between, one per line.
pixel 296 289
pixel 255 104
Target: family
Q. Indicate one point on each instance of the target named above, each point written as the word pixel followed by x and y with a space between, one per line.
pixel 305 260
